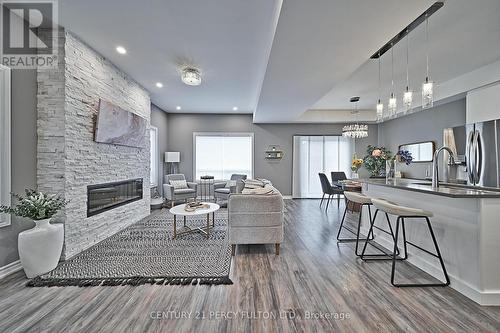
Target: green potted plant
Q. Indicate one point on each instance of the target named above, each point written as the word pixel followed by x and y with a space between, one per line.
pixel 40 247
pixel 375 159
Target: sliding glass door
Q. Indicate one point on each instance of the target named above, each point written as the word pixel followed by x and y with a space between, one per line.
pixel 315 154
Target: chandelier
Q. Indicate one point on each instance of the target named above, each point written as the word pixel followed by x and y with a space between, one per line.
pixel 355 131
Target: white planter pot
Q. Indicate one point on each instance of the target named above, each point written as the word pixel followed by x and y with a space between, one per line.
pixel 40 248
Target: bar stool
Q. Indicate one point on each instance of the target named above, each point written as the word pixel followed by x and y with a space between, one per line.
pixel 363 200
pixel 403 213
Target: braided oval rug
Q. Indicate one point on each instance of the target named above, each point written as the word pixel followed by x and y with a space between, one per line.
pixel 144 253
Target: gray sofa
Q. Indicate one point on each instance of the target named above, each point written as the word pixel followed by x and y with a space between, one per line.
pixel 256 219
pixel 173 195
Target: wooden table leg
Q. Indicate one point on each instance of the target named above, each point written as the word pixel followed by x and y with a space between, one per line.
pixel 175 227
pixel 184 220
pixel 213 219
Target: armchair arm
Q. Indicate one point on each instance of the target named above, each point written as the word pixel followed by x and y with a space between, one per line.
pixel 220 185
pixel 192 185
pixel 168 191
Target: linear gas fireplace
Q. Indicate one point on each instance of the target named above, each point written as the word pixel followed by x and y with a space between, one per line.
pixel 103 197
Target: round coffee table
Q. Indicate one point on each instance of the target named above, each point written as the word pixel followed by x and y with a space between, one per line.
pixel 179 210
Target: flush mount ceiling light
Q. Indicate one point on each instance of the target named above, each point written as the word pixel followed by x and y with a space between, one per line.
pixel 159 85
pixel 191 76
pixel 121 50
pixel 177 107
pixel 355 131
pixel 235 108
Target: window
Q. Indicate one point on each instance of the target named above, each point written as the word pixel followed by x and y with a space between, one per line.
pixel 153 137
pixel 222 154
pixel 315 154
pixel 5 153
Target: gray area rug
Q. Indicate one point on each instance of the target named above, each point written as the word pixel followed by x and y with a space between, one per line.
pixel 144 253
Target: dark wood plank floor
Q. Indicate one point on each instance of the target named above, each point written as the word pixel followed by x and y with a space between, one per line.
pixel 313 275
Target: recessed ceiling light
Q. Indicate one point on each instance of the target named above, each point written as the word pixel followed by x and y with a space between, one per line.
pixel 235 108
pixel 121 50
pixel 177 107
pixel 159 84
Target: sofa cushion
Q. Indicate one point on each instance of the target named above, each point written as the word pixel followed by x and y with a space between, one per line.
pixel 224 190
pixel 179 184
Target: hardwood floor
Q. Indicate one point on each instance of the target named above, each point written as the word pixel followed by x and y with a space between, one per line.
pixel 313 275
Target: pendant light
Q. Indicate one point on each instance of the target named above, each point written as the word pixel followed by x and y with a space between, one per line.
pixel 408 94
pixel 355 131
pixel 392 105
pixel 428 85
pixel 380 105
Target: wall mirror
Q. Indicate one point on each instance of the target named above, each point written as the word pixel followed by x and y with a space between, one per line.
pixel 420 151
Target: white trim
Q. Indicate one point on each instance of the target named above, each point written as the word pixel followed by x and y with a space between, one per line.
pixel 287 197
pixel 243 134
pixel 157 157
pixel 10 269
pixel 5 142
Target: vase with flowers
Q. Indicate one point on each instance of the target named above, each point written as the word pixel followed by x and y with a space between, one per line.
pixel 402 156
pixel 355 165
pixel 375 160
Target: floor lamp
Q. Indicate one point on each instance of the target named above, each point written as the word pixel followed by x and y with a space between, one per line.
pixel 172 158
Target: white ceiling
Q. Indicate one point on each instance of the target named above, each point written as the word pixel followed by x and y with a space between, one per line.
pixel 229 40
pixel 463 35
pixel 279 59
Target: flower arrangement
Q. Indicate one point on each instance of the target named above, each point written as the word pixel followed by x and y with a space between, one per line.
pixel 375 159
pixel 36 205
pixel 356 163
pixel 404 156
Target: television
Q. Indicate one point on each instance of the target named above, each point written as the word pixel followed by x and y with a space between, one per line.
pixel 117 126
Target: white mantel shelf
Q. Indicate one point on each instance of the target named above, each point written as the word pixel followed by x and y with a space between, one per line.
pixel 467 229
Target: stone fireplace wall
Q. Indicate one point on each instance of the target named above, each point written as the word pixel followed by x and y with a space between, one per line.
pixel 68 157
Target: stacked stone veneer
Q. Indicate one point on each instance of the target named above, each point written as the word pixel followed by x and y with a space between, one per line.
pixel 68 157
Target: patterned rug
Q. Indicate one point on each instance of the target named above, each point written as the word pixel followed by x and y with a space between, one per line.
pixel 144 253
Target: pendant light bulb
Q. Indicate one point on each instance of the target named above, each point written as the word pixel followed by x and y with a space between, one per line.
pixel 428 85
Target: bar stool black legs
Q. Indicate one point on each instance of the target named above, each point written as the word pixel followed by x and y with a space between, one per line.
pixel 384 255
pixel 399 220
pixel 342 226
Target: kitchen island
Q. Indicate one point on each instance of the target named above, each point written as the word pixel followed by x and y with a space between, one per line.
pixel 466 223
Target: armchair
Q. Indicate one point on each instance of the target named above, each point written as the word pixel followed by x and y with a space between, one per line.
pixel 223 189
pixel 172 194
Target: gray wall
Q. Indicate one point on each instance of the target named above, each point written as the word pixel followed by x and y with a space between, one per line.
pixel 159 119
pixel 427 125
pixel 23 162
pixel 182 126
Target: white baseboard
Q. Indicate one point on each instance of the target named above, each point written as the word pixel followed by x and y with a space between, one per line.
pixel 287 197
pixel 10 268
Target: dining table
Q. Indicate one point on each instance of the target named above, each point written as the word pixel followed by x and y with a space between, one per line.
pixel 350 185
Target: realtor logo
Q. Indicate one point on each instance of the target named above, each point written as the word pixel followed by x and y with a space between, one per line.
pixel 29 34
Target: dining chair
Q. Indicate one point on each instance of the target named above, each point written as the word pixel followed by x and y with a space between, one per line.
pixel 328 189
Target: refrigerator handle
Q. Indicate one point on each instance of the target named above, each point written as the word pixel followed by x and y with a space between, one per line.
pixel 469 157
pixel 478 155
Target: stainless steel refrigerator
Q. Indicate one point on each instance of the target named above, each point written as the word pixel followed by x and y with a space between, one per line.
pixel 482 153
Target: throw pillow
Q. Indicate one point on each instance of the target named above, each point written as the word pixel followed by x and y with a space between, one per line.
pixel 253 183
pixel 179 184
